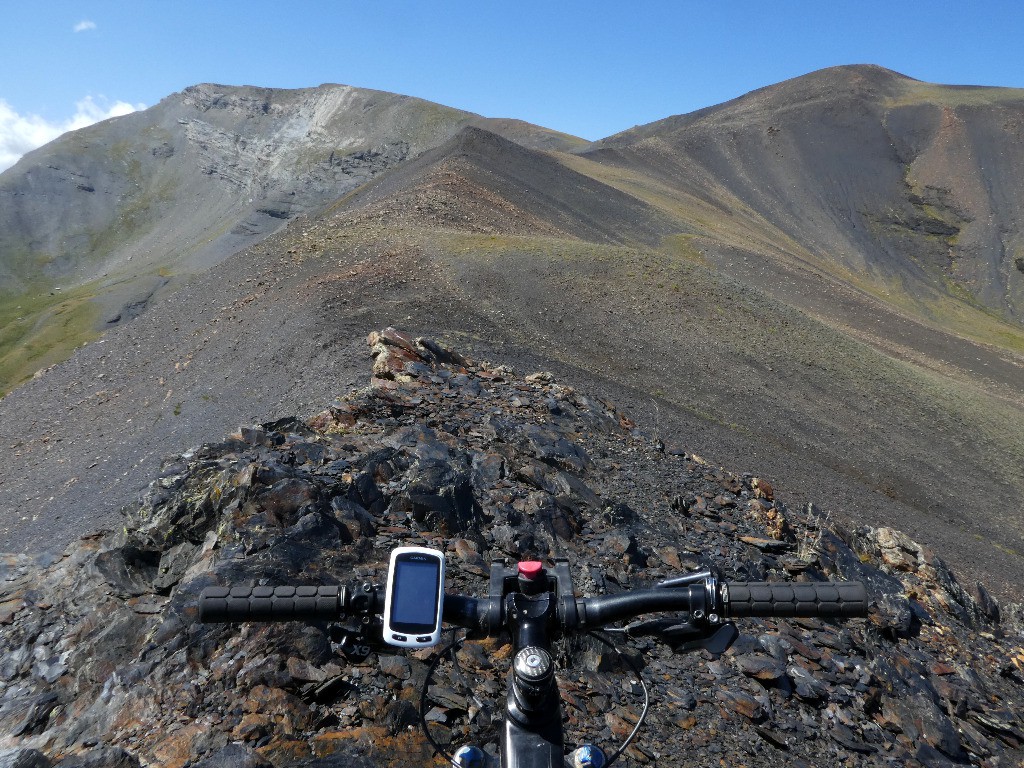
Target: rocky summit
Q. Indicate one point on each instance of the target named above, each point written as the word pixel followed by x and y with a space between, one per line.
pixel 105 663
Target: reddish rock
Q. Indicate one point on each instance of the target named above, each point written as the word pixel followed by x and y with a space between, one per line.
pixel 762 489
pixel 738 702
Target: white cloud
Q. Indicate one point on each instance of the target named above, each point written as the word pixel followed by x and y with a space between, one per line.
pixel 22 133
pixel 84 25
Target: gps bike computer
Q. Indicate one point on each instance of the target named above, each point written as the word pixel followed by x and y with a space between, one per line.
pixel 414 598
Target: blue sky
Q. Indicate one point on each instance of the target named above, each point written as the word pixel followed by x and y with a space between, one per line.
pixel 586 68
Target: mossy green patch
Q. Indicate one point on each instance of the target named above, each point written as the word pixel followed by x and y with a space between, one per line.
pixel 684 247
pixel 916 92
pixel 135 218
pixel 40 329
pixel 1006 550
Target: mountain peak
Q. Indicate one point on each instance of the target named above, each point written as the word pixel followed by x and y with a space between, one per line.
pixel 807 277
pixel 862 81
pixel 849 72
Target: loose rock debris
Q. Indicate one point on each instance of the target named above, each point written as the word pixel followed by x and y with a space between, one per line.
pixel 105 664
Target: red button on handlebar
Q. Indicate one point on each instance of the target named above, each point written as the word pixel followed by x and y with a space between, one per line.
pixel 530 569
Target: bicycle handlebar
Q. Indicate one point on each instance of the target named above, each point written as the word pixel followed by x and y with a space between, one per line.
pixel 599 611
pixel 224 604
pixel 824 599
pixel 735 599
pixel 534 608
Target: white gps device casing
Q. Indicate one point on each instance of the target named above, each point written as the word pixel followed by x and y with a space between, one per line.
pixel 398 631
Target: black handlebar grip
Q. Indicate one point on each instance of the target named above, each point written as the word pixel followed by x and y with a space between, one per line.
pixel 843 599
pixel 222 604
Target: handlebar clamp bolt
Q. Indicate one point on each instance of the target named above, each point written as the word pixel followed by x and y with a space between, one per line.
pixel 713 618
pixel 589 756
pixel 533 663
pixel 698 614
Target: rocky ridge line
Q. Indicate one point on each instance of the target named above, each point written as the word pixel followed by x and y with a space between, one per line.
pixel 105 664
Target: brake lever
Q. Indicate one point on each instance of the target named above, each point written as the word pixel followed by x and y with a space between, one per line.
pixel 717 641
pixel 683 635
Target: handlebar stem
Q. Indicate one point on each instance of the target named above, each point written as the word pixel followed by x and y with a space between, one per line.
pixel 533 735
pixel 530 618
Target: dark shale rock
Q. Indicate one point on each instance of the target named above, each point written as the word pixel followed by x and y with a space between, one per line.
pixel 112 757
pixel 104 663
pixel 892 611
pixel 26 715
pixel 173 564
pixel 395 666
pixel 128 571
pixel 1012 619
pixel 23 758
pixel 741 703
pixel 400 716
pixel 761 667
pixel 235 756
pixel 439 496
pixel 986 603
pixel 806 685
pixel 488 470
pixel 551 447
pixel 356 521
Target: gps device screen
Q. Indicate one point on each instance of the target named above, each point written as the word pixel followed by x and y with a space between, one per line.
pixel 414 602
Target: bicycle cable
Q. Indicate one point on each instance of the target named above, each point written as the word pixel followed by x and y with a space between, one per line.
pixel 426 688
pixel 647 697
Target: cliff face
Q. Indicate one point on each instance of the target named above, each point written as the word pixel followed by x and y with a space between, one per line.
pixel 107 666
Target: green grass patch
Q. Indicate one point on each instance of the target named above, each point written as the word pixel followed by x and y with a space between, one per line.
pixel 137 216
pixel 40 329
pixel 954 96
pixel 1006 550
pixel 684 247
pixel 482 245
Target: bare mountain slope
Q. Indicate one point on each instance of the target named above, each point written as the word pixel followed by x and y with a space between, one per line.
pixel 236 160
pixel 480 181
pixel 911 190
pixel 710 365
pixel 670 269
pixel 93 224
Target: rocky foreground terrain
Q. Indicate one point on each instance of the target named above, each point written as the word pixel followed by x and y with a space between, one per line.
pixel 105 664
